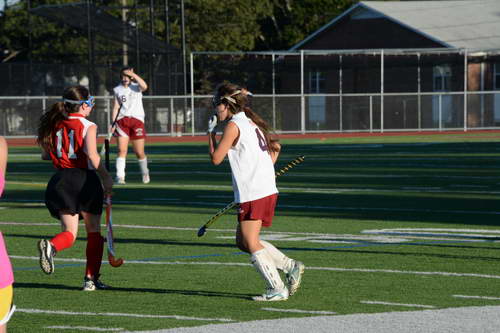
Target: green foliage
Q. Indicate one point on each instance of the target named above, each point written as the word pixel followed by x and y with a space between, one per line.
pixel 294 20
pixel 50 42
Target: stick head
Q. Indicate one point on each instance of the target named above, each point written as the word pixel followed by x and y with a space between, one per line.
pixel 113 261
pixel 202 231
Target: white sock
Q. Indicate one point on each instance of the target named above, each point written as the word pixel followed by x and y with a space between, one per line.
pixel 120 167
pixel 143 164
pixel 265 266
pixel 281 261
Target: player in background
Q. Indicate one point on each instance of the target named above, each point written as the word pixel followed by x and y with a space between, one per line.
pixel 128 112
pixel 75 190
pixel 252 154
pixel 6 276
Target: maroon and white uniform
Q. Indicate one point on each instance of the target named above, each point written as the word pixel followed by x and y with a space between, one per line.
pixel 252 168
pixel 130 120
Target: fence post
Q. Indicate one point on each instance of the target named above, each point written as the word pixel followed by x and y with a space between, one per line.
pixel 440 114
pixel 108 114
pixel 465 89
pixel 302 97
pixel 191 66
pixel 382 91
pixel 419 97
pixel 340 94
pixel 274 90
pixel 371 114
pixel 172 117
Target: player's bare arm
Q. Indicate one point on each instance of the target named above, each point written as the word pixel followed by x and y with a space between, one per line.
pixel 95 158
pixel 229 137
pixel 142 84
pixel 275 150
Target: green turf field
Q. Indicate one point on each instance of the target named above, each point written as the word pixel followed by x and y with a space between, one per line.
pixel 382 223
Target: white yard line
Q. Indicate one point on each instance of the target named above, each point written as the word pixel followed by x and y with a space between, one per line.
pixel 85 328
pixel 112 314
pixel 300 311
pixel 478 297
pixel 309 207
pixel 331 269
pixel 399 304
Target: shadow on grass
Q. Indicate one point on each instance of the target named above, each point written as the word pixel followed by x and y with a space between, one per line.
pixel 31 285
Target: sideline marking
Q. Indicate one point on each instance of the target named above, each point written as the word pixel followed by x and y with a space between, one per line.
pixel 300 311
pixel 112 314
pixel 399 304
pixel 85 328
pixel 332 269
pixel 478 297
pixel 308 207
pixel 485 234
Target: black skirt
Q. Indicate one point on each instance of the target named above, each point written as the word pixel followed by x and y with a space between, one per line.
pixel 74 190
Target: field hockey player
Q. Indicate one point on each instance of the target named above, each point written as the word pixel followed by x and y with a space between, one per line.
pixel 252 154
pixel 75 190
pixel 128 113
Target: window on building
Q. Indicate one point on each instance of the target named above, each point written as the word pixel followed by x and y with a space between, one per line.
pixel 317 104
pixel 442 78
pixel 316 82
pixel 496 76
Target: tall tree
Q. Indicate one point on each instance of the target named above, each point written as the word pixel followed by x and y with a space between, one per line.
pixel 293 20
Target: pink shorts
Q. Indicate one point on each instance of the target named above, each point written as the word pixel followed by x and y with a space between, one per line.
pixel 260 209
pixel 130 127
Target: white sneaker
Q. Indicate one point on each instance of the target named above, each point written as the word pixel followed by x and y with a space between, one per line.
pixel 47 253
pixel 120 180
pixel 272 295
pixel 145 178
pixel 93 284
pixel 294 277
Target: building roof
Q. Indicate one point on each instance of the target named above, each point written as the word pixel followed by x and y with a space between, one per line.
pixel 471 24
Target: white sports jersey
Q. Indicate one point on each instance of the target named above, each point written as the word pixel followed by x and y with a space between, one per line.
pixel 130 100
pixel 251 164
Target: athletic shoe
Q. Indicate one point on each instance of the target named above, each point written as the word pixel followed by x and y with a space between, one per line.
pixel 93 284
pixel 47 253
pixel 145 178
pixel 272 295
pixel 120 181
pixel 294 277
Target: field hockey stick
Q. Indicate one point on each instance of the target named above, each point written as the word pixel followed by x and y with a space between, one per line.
pixel 110 134
pixel 109 221
pixel 109 236
pixel 221 212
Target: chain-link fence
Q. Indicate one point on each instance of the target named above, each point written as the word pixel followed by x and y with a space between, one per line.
pixel 317 91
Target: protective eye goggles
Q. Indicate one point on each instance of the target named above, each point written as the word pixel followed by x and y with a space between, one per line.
pixel 217 99
pixel 90 101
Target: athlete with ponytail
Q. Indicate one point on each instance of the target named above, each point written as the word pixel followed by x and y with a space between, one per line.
pixel 252 153
pixel 75 190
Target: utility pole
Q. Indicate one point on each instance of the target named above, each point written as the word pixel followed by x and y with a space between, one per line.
pixel 124 20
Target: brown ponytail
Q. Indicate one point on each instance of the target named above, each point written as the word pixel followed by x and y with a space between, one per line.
pixel 58 112
pixel 236 98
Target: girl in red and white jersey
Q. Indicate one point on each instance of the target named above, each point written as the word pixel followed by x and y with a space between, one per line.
pixel 75 190
pixel 128 113
pixel 252 154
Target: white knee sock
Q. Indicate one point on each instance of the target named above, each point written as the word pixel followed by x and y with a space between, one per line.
pixel 143 164
pixel 265 266
pixel 281 261
pixel 120 167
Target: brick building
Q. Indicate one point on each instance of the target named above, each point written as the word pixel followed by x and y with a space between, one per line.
pixel 456 35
